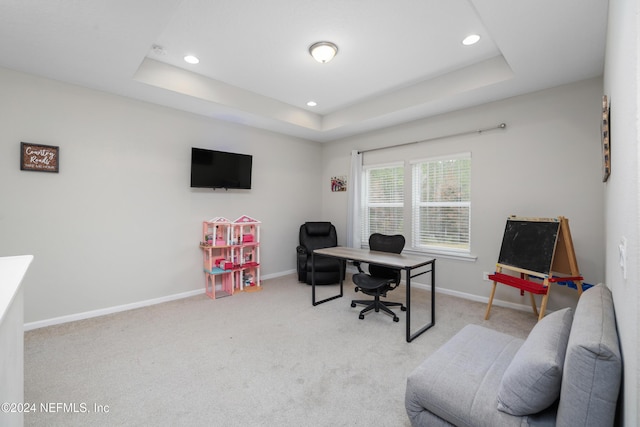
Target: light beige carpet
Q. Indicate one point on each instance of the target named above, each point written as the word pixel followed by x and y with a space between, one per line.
pixel 265 358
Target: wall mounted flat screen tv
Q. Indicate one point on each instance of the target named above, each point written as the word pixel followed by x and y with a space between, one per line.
pixel 220 169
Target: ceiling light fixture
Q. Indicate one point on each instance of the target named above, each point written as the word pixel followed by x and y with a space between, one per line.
pixel 471 39
pixel 191 59
pixel 323 51
pixel 312 103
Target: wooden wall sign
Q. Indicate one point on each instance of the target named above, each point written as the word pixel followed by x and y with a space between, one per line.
pixel 606 140
pixel 38 157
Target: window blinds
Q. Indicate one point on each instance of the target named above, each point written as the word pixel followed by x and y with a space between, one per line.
pixel 383 200
pixel 442 203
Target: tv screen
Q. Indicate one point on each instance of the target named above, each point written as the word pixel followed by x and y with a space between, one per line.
pixel 220 169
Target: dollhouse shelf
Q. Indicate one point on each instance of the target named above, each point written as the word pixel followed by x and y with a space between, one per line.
pixel 216 270
pixel 231 255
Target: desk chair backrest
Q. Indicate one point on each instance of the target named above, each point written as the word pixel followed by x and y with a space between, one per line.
pixel 386 243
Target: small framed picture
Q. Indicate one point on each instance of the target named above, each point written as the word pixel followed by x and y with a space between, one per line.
pixel 606 140
pixel 39 157
pixel 338 183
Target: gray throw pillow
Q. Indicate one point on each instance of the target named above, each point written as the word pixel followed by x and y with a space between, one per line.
pixel 532 381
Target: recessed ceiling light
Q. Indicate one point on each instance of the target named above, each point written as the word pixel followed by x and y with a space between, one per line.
pixel 312 103
pixel 471 39
pixel 191 59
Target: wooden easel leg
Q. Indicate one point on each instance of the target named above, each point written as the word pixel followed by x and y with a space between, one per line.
pixel 493 292
pixel 543 307
pixel 533 304
pixel 545 298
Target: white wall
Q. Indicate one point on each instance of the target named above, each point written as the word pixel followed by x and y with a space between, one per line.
pixel 622 212
pixel 546 163
pixel 119 224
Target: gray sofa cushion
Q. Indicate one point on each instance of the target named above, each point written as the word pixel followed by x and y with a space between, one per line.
pixel 532 381
pixel 593 366
pixel 463 376
pixel 458 384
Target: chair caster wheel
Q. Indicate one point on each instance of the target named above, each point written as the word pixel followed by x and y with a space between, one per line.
pixel 396 319
pixel 353 304
pixel 403 308
pixel 361 316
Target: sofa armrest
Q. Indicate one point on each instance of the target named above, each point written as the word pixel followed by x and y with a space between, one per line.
pixel 301 263
pixel 593 364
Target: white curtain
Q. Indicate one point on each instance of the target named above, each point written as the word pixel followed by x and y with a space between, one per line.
pixel 354 228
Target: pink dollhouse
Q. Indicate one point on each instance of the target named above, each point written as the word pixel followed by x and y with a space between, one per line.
pixel 231 254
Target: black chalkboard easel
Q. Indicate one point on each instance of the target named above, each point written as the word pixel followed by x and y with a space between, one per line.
pixel 538 247
pixel 529 244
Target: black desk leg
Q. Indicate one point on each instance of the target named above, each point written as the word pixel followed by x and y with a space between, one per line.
pixel 408 313
pixel 313 282
pixel 411 337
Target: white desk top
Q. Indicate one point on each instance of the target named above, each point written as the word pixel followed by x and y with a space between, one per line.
pixel 375 257
pixel 12 270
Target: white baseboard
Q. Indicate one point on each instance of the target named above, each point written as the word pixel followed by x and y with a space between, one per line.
pixel 463 295
pixel 280 274
pixel 109 310
pixel 471 297
pixel 116 309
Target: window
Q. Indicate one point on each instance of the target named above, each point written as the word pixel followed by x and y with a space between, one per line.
pixel 383 200
pixel 442 203
pixel 438 216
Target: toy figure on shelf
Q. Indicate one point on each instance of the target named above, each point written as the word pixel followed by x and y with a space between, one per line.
pixel 248 279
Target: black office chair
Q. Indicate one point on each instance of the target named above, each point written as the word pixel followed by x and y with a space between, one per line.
pixel 317 235
pixel 380 280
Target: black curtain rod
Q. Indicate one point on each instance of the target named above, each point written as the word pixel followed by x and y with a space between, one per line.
pixel 500 126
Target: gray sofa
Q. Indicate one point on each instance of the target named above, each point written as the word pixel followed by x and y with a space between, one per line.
pixel 566 373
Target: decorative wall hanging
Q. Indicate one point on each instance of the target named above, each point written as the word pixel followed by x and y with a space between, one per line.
pixel 39 157
pixel 606 140
pixel 339 183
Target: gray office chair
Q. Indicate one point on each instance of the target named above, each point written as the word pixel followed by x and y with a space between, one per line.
pixel 380 280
